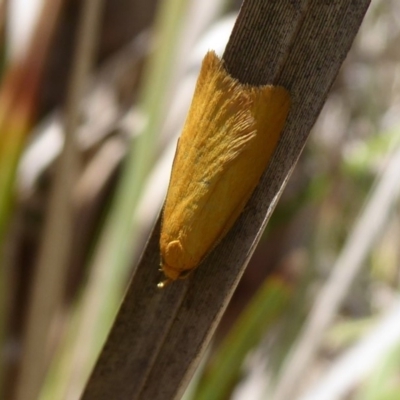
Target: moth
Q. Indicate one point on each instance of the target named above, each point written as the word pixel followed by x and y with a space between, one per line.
pixel 229 136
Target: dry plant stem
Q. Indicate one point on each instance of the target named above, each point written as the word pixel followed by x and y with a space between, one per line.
pixel 18 103
pixel 110 260
pixel 4 4
pixel 52 261
pixel 369 226
pixel 159 336
pixel 18 92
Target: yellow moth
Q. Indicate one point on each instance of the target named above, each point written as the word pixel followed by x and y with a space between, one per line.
pixel 228 138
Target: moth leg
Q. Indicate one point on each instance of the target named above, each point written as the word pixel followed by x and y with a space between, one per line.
pixel 163 284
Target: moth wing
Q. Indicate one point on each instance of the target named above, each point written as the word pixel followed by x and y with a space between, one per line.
pixel 219 161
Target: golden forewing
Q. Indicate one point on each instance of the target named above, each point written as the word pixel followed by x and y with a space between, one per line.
pixel 228 138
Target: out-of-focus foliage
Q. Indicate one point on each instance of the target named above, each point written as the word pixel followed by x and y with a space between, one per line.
pixel 347 151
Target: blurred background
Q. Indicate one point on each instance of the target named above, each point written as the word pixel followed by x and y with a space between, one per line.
pixel 93 95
